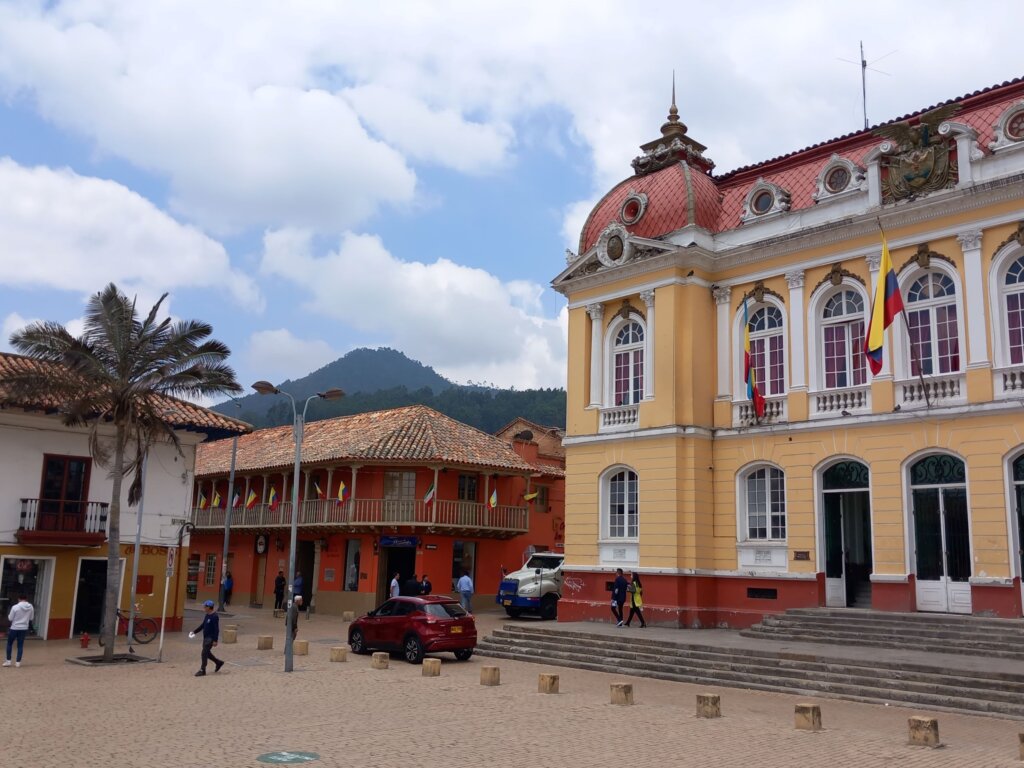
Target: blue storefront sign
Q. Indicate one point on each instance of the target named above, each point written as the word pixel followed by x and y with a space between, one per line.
pixel 399 541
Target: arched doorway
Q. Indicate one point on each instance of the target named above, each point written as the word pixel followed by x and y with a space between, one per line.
pixel 1018 502
pixel 846 521
pixel 942 539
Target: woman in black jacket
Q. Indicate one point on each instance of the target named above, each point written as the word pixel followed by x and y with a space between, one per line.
pixel 636 600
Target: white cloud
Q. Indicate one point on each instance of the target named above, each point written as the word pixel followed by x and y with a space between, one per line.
pixel 279 354
pixel 76 233
pixel 465 321
pixel 13 322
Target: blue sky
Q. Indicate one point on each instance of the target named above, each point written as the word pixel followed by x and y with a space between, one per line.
pixel 312 177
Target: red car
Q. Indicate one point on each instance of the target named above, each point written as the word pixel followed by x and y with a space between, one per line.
pixel 415 626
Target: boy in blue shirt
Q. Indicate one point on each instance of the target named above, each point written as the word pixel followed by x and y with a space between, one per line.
pixel 211 634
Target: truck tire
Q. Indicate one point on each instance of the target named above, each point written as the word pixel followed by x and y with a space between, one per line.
pixel 549 607
pixel 513 613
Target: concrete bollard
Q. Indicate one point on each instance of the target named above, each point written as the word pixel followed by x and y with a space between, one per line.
pixel 924 731
pixel 709 705
pixel 492 676
pixel 264 642
pixel 230 626
pixel 547 683
pixel 229 636
pixel 431 667
pixel 300 647
pixel 339 653
pixel 348 616
pixel 380 660
pixel 807 717
pixel 622 693
pixel 1020 737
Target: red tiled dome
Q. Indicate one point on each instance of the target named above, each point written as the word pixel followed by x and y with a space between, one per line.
pixel 672 199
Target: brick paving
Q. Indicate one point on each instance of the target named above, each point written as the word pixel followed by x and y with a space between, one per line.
pixel 154 715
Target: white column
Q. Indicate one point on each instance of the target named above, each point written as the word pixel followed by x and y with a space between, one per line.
pixel 724 341
pixel 874 261
pixel 648 299
pixel 797 333
pixel 974 304
pixel 596 312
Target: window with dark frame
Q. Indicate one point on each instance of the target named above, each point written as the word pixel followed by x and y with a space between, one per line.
pixel 63 493
pixel 468 487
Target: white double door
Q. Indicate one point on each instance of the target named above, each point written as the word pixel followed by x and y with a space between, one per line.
pixel 942 549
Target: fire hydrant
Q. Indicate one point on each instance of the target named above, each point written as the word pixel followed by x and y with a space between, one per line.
pixel 84 639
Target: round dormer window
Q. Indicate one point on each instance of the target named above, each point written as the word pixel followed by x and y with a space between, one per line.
pixel 1015 126
pixel 762 202
pixel 837 179
pixel 633 208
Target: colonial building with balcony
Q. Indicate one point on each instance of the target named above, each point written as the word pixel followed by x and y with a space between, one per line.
pixel 896 491
pixel 53 513
pixel 406 490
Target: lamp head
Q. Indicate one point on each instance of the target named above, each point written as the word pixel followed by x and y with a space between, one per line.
pixel 331 394
pixel 266 388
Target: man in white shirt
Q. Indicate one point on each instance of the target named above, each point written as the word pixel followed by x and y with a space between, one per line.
pixel 465 587
pixel 20 616
pixel 395 588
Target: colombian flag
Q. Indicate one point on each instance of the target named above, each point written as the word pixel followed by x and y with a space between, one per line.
pixel 887 304
pixel 203 501
pixel 343 492
pixel 530 496
pixel 216 498
pixel 749 376
pixel 273 498
pixel 493 501
pixel 250 500
pixel 316 487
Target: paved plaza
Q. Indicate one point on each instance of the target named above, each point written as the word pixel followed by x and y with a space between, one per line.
pixel 154 715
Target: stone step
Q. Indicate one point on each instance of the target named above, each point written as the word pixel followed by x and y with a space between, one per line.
pixel 738 668
pixel 996 636
pixel 932 619
pixel 859 686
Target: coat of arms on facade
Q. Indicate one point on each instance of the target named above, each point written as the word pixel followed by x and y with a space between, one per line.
pixel 916 158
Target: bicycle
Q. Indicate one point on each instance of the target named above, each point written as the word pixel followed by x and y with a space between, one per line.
pixel 144 629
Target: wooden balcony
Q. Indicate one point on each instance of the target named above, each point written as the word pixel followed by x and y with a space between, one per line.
pixel 62 522
pixel 374 515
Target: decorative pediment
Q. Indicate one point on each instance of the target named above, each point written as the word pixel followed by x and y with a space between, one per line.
pixel 839 177
pixel 614 248
pixel 917 159
pixel 764 200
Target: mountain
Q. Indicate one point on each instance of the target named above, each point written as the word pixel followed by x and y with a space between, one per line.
pixel 376 379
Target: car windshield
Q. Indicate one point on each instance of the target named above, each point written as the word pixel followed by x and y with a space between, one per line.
pixel 547 562
pixel 444 610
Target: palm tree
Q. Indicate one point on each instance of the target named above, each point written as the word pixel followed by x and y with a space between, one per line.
pixel 119 376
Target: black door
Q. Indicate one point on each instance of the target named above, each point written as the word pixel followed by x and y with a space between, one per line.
pixel 92 583
pixel 304 559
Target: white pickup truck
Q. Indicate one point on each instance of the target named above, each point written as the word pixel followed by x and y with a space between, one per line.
pixel 534 588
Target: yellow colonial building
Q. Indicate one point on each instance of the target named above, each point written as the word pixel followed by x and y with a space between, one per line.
pixel 897 491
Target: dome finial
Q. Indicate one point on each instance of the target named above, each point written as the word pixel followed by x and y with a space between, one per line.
pixel 673 111
pixel 674 126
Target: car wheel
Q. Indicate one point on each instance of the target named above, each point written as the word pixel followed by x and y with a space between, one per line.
pixel 463 654
pixel 356 642
pixel 549 607
pixel 412 649
pixel 514 613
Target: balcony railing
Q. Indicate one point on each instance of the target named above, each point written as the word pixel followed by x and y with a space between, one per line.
pixel 62 521
pixel 834 401
pixel 620 418
pixel 1009 382
pixel 774 411
pixel 371 513
pixel 936 390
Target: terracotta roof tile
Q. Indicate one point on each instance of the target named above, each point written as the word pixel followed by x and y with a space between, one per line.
pixel 412 435
pixel 177 413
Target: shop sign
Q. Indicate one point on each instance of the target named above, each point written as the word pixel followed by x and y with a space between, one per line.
pixel 398 541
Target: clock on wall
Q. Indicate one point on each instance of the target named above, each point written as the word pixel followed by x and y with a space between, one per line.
pixel 261 544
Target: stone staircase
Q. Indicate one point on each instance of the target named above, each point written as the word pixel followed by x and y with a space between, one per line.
pixel 873 680
pixel 937 633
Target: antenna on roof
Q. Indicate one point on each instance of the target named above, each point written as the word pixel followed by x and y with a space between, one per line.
pixel 864 67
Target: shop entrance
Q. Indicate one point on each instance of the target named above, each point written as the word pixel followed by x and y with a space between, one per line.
pixel 395 559
pixel 92 583
pixel 846 508
pixel 304 557
pixel 29 577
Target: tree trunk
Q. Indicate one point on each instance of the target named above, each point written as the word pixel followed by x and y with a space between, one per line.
pixel 113 550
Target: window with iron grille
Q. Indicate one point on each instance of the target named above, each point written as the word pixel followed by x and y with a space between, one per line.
pixel 210 573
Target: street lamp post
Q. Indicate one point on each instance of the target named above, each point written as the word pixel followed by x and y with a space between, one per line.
pixel 227 520
pixel 298 425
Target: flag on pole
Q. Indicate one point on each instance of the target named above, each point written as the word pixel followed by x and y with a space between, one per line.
pixel 749 375
pixel 528 497
pixel 888 303
pixel 428 497
pixel 237 499
pixel 216 498
pixel 203 501
pixel 343 492
pixel 493 501
pixel 273 498
pixel 316 487
pixel 250 500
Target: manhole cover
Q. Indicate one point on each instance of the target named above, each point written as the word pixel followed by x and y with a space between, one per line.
pixel 284 758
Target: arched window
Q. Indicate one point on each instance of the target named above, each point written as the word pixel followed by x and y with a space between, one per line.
pixel 622 513
pixel 1013 292
pixel 767 350
pixel 628 364
pixel 765 503
pixel 842 335
pixel 932 323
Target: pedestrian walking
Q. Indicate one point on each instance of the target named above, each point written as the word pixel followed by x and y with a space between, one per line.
pixel 293 615
pixel 465 587
pixel 636 599
pixel 396 588
pixel 412 586
pixel 279 584
pixel 425 585
pixel 619 596
pixel 20 616
pixel 211 634
pixel 229 585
